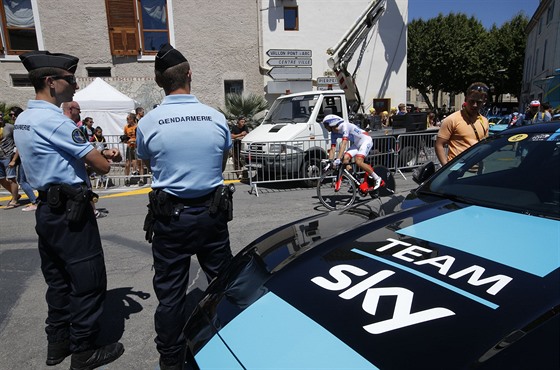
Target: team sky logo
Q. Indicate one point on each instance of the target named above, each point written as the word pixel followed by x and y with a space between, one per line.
pixel 402 314
pixel 78 136
pixel 340 280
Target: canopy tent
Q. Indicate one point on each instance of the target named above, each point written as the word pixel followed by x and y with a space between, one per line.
pixel 106 105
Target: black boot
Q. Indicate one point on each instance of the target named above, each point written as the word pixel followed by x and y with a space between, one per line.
pixel 57 352
pixel 93 358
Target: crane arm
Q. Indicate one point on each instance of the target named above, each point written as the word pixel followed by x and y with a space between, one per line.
pixel 342 53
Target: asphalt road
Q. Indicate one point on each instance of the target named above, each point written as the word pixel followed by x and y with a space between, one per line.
pixel 130 302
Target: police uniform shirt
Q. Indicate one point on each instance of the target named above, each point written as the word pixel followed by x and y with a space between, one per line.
pixel 185 141
pixel 51 146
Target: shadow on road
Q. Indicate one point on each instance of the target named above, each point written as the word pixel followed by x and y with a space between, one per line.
pixel 119 305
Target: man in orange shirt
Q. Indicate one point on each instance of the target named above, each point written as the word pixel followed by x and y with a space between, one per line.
pixel 130 131
pixel 464 128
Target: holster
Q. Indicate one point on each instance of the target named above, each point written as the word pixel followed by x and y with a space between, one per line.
pixel 222 201
pixel 73 199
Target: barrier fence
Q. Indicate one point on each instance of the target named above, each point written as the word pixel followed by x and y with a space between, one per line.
pixel 279 161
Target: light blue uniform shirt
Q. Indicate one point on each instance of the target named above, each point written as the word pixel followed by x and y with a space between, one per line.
pixel 51 146
pixel 185 141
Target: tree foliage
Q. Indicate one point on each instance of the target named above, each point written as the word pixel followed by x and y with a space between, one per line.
pixel 248 106
pixel 447 53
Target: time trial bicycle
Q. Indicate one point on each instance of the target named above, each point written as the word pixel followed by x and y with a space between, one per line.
pixel 338 187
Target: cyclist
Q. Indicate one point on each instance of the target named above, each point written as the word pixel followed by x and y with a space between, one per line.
pixel 361 144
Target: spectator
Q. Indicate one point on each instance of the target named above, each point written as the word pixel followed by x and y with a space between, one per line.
pixel 71 109
pixel 139 113
pixel 546 111
pixel 69 242
pixel 8 171
pixel 21 178
pixel 238 132
pixel 533 114
pixel 186 159
pixel 131 160
pixel 99 142
pixel 87 128
pixel 385 119
pixel 464 128
pixel 432 120
pixel 402 109
pixel 98 139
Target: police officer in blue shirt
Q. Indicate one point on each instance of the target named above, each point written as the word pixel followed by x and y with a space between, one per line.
pixel 54 152
pixel 185 142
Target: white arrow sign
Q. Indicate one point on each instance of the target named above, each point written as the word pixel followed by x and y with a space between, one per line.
pixel 288 53
pixel 290 73
pixel 289 62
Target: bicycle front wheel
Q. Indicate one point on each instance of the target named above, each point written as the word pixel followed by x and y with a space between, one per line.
pixel 333 199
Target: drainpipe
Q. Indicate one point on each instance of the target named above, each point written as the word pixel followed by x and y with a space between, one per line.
pixel 263 70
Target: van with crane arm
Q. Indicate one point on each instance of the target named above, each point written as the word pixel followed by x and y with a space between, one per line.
pixel 291 141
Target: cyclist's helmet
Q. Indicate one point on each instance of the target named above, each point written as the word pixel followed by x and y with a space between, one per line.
pixel 332 120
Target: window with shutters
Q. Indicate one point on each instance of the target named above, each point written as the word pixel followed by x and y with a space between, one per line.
pixel 137 27
pixel 18 27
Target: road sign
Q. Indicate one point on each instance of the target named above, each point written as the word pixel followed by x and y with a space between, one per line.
pixel 289 62
pixel 290 73
pixel 288 53
pixel 327 80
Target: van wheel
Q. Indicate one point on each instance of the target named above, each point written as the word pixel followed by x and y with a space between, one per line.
pixel 311 168
pixel 408 157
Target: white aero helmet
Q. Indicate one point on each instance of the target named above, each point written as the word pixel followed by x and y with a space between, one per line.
pixel 332 120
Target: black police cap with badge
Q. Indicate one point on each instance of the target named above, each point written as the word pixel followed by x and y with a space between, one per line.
pixel 44 59
pixel 168 57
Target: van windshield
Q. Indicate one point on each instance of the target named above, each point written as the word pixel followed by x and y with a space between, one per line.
pixel 296 109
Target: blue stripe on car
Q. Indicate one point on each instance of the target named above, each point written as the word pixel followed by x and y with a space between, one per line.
pixel 524 242
pixel 258 338
pixel 429 278
pixel 216 355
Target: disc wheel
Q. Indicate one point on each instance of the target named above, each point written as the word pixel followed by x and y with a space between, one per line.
pixel 332 199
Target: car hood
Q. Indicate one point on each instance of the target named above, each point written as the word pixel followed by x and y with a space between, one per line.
pixel 437 284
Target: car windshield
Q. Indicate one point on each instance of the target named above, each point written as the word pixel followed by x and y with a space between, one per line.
pixel 291 110
pixel 515 172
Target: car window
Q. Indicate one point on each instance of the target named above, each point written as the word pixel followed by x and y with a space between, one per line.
pixel 514 172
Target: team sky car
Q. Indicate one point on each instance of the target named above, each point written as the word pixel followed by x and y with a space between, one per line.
pixel 465 275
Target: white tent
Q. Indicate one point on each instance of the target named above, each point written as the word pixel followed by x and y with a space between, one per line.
pixel 106 105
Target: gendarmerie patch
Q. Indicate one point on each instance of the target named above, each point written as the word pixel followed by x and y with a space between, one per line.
pixel 78 136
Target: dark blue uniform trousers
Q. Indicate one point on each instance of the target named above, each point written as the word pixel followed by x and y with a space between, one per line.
pixel 193 232
pixel 74 269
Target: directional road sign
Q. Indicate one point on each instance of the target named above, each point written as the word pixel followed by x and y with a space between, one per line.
pixel 279 53
pixel 289 62
pixel 327 80
pixel 290 73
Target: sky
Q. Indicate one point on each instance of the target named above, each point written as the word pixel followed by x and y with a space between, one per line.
pixel 487 12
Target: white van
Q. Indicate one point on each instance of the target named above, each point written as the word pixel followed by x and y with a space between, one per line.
pixel 291 141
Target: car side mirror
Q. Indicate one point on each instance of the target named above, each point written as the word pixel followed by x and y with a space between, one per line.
pixel 422 173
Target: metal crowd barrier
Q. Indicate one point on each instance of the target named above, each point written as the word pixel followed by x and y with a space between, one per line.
pixel 296 160
pixel 116 176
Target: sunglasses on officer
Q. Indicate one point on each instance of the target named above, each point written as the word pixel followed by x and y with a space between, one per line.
pixel 71 79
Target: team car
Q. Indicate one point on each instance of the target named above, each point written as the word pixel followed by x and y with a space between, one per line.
pixel 464 275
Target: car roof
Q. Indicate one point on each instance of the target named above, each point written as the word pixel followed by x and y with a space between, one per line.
pixel 548 127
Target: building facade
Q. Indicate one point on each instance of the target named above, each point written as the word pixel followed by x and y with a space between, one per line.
pixel 541 74
pixel 117 40
pixel 313 26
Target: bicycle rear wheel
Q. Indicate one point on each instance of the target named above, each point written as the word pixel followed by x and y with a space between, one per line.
pixel 332 199
pixel 388 178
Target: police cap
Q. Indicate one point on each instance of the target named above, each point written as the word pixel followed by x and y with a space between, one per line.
pixel 41 59
pixel 168 57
